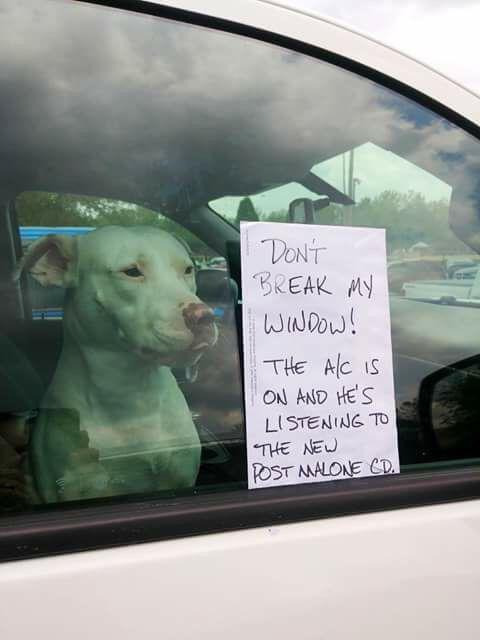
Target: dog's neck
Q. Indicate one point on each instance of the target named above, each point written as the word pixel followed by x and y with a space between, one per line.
pixel 96 376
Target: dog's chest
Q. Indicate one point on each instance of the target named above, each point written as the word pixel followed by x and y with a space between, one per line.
pixel 142 429
pixel 150 418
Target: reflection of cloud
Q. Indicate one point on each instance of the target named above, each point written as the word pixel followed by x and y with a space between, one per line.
pixel 102 101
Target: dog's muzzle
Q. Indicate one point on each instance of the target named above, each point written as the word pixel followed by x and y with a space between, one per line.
pixel 199 319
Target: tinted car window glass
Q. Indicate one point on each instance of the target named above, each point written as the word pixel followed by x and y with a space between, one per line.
pixel 123 138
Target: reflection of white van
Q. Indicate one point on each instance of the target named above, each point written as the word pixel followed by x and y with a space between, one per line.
pixel 468 273
pixel 463 289
pixel 455 291
pixel 172 105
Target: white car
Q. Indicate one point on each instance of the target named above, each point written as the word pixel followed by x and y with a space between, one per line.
pixel 170 115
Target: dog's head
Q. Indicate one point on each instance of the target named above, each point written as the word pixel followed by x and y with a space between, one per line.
pixel 129 289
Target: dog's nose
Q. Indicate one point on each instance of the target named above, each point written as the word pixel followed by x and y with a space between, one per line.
pixel 198 317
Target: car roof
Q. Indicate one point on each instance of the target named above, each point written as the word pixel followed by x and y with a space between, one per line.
pixel 317 14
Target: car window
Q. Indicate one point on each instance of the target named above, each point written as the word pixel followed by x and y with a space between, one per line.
pixel 124 177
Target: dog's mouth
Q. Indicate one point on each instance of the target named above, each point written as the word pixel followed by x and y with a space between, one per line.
pixel 177 357
pixel 204 339
pixel 173 352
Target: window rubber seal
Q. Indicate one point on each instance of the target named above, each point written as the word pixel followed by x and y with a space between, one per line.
pixel 100 524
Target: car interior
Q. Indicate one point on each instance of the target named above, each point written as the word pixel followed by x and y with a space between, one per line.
pixel 32 340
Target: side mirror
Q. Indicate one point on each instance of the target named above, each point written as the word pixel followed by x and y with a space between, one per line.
pixel 449 408
pixel 302 210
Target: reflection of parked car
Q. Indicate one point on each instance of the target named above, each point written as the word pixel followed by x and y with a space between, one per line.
pixel 457 291
pixel 29 234
pixel 402 271
pixel 452 265
pixel 468 273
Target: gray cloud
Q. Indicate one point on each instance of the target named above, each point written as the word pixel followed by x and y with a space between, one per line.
pixel 103 102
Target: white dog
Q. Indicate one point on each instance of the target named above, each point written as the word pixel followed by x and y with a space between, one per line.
pixel 131 313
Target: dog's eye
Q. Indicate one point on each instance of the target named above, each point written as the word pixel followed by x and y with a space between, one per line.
pixel 189 270
pixel 132 272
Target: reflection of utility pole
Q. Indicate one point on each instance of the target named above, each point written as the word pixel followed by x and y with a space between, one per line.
pixel 356 182
pixel 348 217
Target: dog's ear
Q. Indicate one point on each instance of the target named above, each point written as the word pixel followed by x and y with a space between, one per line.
pixel 51 260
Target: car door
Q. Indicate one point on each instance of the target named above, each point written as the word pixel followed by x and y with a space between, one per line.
pixel 181 120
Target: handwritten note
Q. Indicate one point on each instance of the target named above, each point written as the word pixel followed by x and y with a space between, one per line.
pixel 317 351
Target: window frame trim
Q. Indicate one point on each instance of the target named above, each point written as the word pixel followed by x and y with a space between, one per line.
pixel 69 529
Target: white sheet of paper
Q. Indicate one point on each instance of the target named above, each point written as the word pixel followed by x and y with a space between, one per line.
pixel 317 352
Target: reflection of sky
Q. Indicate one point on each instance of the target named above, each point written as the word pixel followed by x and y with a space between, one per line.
pixel 377 169
pixel 410 111
pixel 111 103
pixel 276 199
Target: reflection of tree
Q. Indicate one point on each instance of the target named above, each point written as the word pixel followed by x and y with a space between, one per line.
pixel 246 211
pixel 408 218
pixel 410 444
pixel 456 413
pixel 37 208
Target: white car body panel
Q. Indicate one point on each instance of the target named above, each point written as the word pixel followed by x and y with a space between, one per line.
pixel 407 573
pixel 411 573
